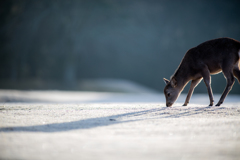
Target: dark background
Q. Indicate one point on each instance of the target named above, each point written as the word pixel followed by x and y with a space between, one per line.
pixel 55 44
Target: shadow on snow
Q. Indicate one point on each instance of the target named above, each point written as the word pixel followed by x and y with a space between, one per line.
pixel 157 113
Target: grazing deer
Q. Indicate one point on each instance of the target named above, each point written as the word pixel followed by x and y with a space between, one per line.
pixel 210 57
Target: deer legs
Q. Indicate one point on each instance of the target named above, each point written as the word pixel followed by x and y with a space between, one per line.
pixel 229 75
pixel 194 83
pixel 230 81
pixel 207 80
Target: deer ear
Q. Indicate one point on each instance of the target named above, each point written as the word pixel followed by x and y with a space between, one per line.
pixel 174 82
pixel 166 81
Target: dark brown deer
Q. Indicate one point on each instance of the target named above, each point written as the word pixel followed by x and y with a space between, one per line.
pixel 210 57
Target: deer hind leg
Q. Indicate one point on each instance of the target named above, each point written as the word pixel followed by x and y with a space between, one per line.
pixel 236 71
pixel 230 81
pixel 194 83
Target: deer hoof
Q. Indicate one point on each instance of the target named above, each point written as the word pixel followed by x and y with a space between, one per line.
pixel 184 104
pixel 219 103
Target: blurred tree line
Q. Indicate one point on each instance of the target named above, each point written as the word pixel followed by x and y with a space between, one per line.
pixel 65 41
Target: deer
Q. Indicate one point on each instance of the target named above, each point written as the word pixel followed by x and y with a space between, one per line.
pixel 206 59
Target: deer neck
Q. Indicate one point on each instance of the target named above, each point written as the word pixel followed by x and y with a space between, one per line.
pixel 182 77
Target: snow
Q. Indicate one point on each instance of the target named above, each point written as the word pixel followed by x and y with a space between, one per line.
pixel 95 125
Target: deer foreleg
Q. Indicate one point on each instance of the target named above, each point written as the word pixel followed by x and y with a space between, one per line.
pixel 207 80
pixel 194 83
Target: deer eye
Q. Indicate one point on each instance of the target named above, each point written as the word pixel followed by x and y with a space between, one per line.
pixel 168 94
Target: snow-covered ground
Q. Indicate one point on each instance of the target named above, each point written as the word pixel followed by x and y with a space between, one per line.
pixel 96 125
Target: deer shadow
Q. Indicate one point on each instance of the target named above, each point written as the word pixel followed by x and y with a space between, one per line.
pixel 158 113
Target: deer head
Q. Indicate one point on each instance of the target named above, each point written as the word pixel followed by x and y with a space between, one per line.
pixel 171 91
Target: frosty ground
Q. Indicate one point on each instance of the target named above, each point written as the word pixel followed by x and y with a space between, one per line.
pixel 92 125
